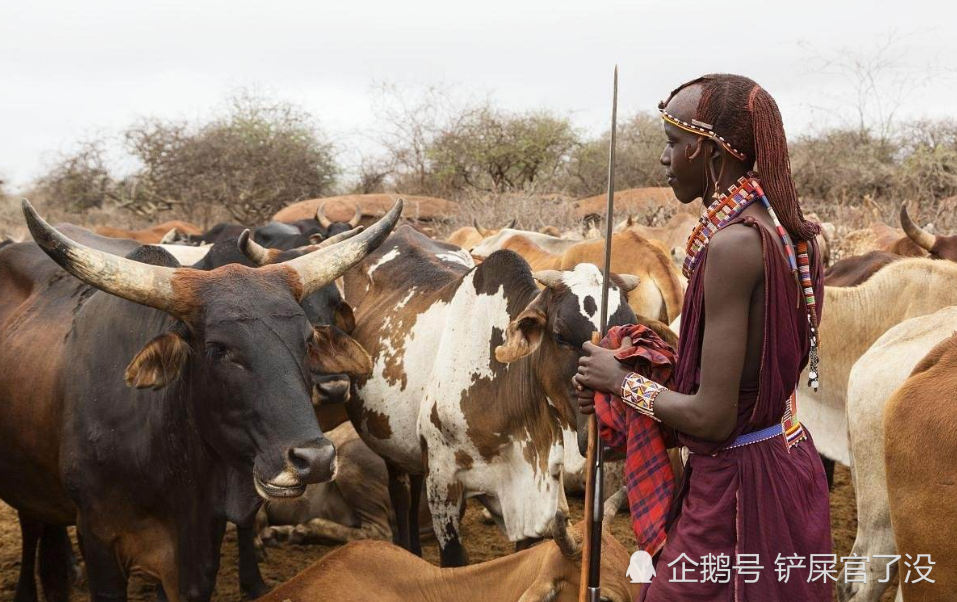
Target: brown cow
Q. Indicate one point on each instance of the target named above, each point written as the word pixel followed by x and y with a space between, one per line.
pixel 548 572
pixel 937 246
pixel 920 456
pixel 852 271
pixel 152 235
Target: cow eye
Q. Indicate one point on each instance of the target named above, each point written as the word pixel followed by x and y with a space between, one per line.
pixel 216 351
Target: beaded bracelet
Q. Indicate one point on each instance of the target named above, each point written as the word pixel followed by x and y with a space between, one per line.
pixel 639 393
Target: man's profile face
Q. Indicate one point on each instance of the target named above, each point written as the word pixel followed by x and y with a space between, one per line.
pixel 685 176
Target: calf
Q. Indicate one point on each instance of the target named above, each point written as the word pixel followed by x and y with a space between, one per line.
pixel 549 572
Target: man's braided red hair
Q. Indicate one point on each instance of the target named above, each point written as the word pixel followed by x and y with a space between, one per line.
pixel 743 112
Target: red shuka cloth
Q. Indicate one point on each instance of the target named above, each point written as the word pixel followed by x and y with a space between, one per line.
pixel 757 499
pixel 649 478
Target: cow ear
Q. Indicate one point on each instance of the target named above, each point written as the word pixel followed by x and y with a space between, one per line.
pixel 524 333
pixel 335 352
pixel 158 363
pixel 344 318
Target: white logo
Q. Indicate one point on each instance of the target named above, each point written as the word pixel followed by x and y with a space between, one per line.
pixel 640 569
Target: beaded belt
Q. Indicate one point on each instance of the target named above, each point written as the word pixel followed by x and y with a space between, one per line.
pixel 789 427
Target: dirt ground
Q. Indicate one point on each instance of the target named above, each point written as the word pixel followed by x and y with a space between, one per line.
pixel 482 541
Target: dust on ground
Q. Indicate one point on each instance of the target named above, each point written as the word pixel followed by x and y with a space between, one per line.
pixel 482 541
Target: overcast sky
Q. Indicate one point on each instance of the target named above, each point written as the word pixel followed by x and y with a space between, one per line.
pixel 72 70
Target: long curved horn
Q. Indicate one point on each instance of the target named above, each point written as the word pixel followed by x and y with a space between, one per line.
pixel 261 256
pixel 548 278
pixel 321 267
pixel 141 283
pixel 355 216
pixel 321 216
pixel 612 505
pixel 570 546
pixel 476 225
pixel 254 251
pixel 921 237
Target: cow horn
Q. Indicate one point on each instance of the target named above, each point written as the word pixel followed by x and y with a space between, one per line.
pixel 141 283
pixel 253 251
pixel 921 237
pixel 355 216
pixel 548 278
pixel 629 282
pixel 512 223
pixel 566 540
pixel 476 225
pixel 321 267
pixel 169 237
pixel 321 216
pixel 337 238
pixel 612 505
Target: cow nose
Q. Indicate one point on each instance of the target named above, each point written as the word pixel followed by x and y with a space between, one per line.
pixel 313 464
pixel 333 390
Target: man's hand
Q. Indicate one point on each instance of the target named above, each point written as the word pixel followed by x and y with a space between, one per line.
pixel 598 370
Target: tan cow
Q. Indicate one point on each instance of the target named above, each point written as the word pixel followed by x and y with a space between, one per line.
pixel 152 235
pixel 659 295
pixel 920 449
pixel 548 572
pixel 873 379
pixel 853 318
pixel 469 236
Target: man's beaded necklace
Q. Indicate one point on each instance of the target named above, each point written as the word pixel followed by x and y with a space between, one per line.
pixel 725 208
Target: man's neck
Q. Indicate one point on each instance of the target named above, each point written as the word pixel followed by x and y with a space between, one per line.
pixel 730 177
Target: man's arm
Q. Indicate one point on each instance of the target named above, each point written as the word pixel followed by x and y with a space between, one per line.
pixel 734 268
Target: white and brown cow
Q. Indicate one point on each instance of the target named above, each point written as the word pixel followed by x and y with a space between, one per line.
pixel 471 383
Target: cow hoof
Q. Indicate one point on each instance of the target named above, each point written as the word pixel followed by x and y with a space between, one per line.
pixel 256 591
pixel 299 535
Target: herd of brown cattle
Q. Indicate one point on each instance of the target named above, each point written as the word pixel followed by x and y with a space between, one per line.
pixel 211 308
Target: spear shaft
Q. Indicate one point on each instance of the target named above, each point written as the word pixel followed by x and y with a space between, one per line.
pixel 590 590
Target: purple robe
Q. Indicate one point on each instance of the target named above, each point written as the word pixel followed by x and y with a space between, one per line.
pixel 760 498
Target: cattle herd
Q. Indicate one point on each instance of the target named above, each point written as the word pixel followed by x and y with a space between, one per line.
pixel 356 381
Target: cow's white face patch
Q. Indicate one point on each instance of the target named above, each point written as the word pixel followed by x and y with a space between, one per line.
pixel 585 283
pixel 459 257
pixel 383 260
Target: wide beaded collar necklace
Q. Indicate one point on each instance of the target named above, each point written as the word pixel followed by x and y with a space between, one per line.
pixel 725 208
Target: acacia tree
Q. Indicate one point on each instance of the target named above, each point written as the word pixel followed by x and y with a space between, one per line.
pixel 252 161
pixel 80 180
pixel 495 151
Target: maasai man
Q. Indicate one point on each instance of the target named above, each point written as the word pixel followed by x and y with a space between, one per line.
pixel 754 493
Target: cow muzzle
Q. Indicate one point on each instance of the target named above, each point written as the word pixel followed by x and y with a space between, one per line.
pixel 304 466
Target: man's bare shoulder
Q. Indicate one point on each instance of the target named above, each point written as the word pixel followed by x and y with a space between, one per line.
pixel 735 253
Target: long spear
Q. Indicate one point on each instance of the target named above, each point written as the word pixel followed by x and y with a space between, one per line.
pixel 591 553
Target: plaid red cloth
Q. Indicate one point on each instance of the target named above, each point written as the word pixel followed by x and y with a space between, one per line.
pixel 648 474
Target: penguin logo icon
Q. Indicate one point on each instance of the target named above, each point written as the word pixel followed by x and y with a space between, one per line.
pixel 640 569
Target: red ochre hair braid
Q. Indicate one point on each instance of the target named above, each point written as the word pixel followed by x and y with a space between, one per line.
pixel 745 115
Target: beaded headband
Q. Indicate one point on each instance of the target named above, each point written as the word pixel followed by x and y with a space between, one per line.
pixel 701 129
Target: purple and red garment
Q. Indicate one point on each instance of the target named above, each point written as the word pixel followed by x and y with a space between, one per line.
pixel 649 477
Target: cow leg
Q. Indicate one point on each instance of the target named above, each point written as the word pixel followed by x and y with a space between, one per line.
pixel 401 498
pixel 56 563
pixel 30 532
pixel 829 471
pixel 415 545
pixel 105 577
pixel 446 501
pixel 251 582
pixel 324 531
